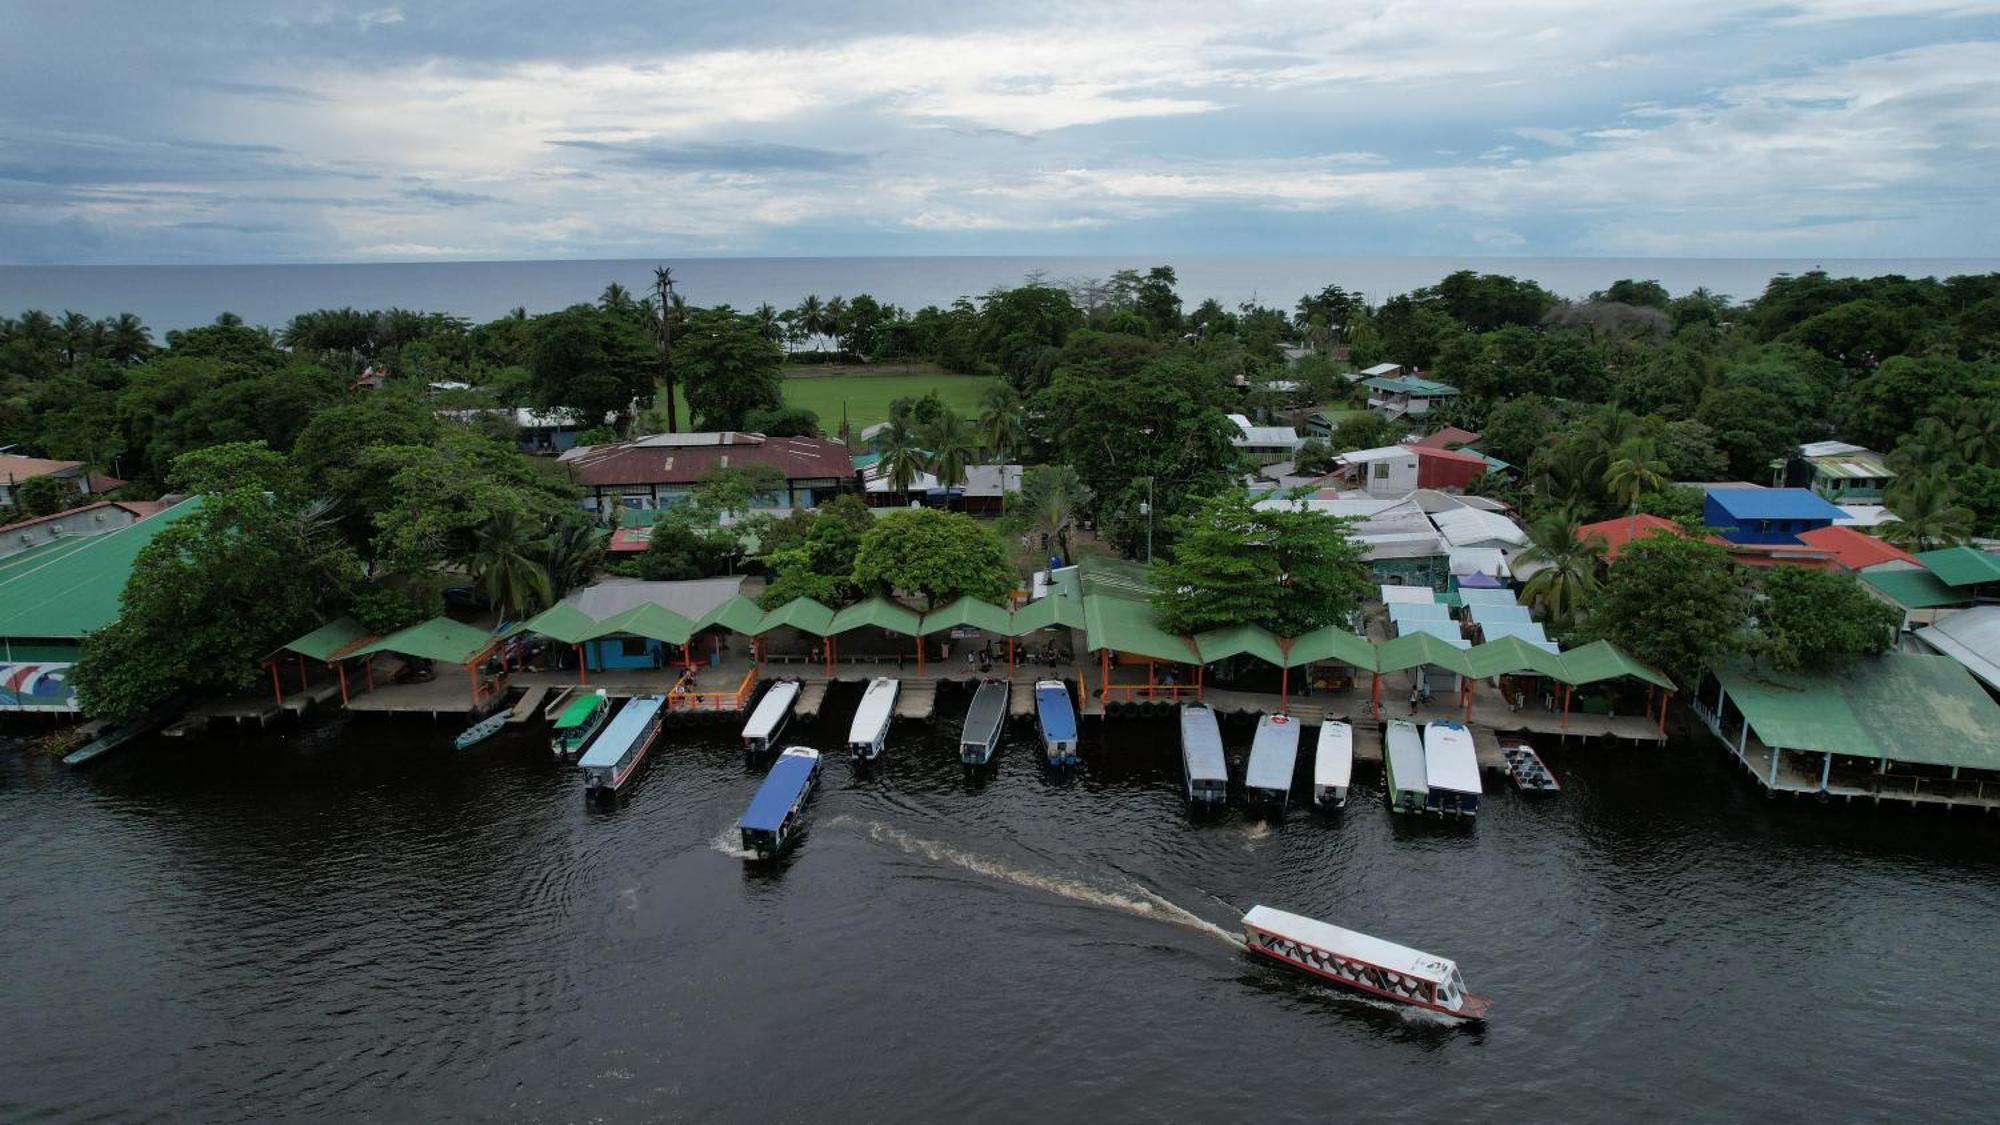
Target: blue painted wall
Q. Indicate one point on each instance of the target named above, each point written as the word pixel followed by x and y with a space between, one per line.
pixel 609 655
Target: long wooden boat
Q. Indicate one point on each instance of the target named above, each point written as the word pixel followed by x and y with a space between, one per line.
pixel 777 812
pixel 481 731
pixel 984 720
pixel 1056 715
pixel 1202 764
pixel 870 729
pixel 1451 770
pixel 1363 963
pixel 581 717
pixel 1274 758
pixel 1529 773
pixel 1333 764
pixel 616 753
pixel 767 720
pixel 1403 767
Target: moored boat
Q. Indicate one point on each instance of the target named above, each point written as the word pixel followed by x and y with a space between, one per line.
pixel 1403 767
pixel 767 720
pixel 1451 770
pixel 481 731
pixel 1202 764
pixel 1333 764
pixel 1361 962
pixel 984 720
pixel 777 812
pixel 580 718
pixel 1274 758
pixel 616 753
pixel 870 729
pixel 1529 773
pixel 1057 717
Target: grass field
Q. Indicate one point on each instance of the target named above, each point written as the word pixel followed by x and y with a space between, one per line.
pixel 867 391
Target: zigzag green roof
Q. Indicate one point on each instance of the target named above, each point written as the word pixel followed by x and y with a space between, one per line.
pixel 970 612
pixel 804 614
pixel 647 619
pixel 440 639
pixel 877 613
pixel 1253 640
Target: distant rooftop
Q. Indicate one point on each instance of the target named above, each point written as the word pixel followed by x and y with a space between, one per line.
pixel 1774 504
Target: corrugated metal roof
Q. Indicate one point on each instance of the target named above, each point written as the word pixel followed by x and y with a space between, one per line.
pixel 331 641
pixel 440 639
pixel 877 613
pixel 1961 566
pixel 1862 464
pixel 1971 637
pixel 71 587
pixel 1901 706
pixel 1252 640
pixel 1773 504
pixel 1913 588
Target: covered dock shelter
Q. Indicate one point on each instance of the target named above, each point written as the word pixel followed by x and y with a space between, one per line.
pixel 332 646
pixel 440 641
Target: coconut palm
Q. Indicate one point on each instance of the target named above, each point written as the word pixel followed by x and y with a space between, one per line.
pixel 615 299
pixel 834 320
pixel 1634 471
pixel 1979 432
pixel 1568 562
pixel 902 461
pixel 769 324
pixel 1927 514
pixel 952 449
pixel 1928 445
pixel 128 340
pixel 504 563
pixel 1001 420
pixel 571 554
pixel 809 317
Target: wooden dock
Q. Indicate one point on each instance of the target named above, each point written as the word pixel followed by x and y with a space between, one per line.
pixel 524 708
pixel 1021 700
pixel 812 697
pixel 917 701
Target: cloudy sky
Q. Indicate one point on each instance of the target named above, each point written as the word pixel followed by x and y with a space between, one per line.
pixel 227 131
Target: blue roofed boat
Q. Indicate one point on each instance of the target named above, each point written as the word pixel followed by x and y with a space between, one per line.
pixel 1057 716
pixel 777 812
pixel 618 750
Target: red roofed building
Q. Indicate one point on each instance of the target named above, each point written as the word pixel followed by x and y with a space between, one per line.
pixel 1618 532
pixel 14 468
pixel 1446 468
pixel 1828 548
pixel 1451 437
pixel 659 470
pixel 1854 550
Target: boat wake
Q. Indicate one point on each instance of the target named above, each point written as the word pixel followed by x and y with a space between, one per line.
pixel 730 843
pixel 1138 901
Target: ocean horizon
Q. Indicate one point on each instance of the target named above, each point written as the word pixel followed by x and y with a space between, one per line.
pixel 167 297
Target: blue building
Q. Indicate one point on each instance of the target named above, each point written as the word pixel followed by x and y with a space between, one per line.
pixel 1766 515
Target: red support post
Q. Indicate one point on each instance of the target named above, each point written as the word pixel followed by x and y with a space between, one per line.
pixel 368 670
pixel 1375 695
pixel 1665 698
pixel 920 656
pixel 1470 683
pixel 1104 674
pixel 1566 689
pixel 472 673
pixel 276 688
pixel 303 682
pixel 582 672
pixel 340 669
pixel 1284 688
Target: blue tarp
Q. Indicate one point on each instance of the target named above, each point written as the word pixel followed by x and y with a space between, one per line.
pixel 625 728
pixel 1484 597
pixel 1500 614
pixel 1058 717
pixel 1400 612
pixel 781 788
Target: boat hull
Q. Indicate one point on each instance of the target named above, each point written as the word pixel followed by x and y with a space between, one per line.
pixel 613 778
pixel 1331 797
pixel 1474 1008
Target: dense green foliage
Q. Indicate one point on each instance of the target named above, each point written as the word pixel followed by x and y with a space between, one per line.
pixel 1288 569
pixel 940 556
pixel 1674 602
pixel 1815 620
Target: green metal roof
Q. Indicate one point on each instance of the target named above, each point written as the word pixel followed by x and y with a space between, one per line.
pixel 877 613
pixel 1114 578
pixel 1901 706
pixel 1914 589
pixel 331 641
pixel 1122 625
pixel 1602 660
pixel 1412 650
pixel 1862 464
pixel 440 639
pixel 1253 640
pixel 1512 654
pixel 578 712
pixel 1410 385
pixel 804 614
pixel 72 591
pixel 647 619
pixel 562 622
pixel 972 612
pixel 1961 566
pixel 1049 612
pixel 738 615
pixel 1332 643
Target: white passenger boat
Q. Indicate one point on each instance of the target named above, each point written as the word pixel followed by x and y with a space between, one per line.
pixel 767 721
pixel 1333 764
pixel 984 720
pixel 1367 964
pixel 871 720
pixel 1403 767
pixel 1530 773
pixel 1451 770
pixel 1274 758
pixel 1202 763
pixel 616 753
pixel 1057 716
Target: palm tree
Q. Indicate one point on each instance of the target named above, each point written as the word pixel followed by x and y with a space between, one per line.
pixel 504 566
pixel 809 316
pixel 570 555
pixel 901 460
pixel 834 320
pixel 1979 432
pixel 129 340
pixel 1634 471
pixel 1569 565
pixel 1927 514
pixel 769 324
pixel 1001 420
pixel 952 449
pixel 615 299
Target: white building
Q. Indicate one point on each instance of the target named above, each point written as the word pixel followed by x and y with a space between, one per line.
pixel 1386 472
pixel 1267 444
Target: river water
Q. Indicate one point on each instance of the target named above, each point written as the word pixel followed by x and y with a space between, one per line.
pixel 354 921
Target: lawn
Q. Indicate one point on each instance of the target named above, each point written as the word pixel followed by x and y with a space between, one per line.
pixel 867 391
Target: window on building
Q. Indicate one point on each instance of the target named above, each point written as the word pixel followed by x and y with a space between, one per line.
pixel 1381 470
pixel 633 646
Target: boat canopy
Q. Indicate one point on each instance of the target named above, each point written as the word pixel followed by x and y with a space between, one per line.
pixel 1406 757
pixel 1274 753
pixel 771 710
pixel 628 727
pixel 1449 759
pixel 1201 743
pixel 1053 707
pixel 873 713
pixel 1333 763
pixel 989 707
pixel 789 776
pixel 579 711
pixel 1349 943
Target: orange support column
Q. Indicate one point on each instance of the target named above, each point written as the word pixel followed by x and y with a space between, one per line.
pixel 920 656
pixel 1284 688
pixel 1665 699
pixel 1375 694
pixel 1469 685
pixel 1104 674
pixel 368 670
pixel 1010 660
pixel 582 673
pixel 472 675
pixel 1199 669
pixel 303 682
pixel 276 688
pixel 1566 689
pixel 341 670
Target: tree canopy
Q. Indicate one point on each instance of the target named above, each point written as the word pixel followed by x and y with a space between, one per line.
pixel 940 556
pixel 1288 569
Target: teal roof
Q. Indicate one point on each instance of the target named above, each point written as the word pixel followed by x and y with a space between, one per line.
pixel 332 641
pixel 1411 385
pixel 1239 640
pixel 803 614
pixel 970 612
pixel 647 619
pixel 1123 625
pixel 561 622
pixel 1047 613
pixel 877 613
pixel 1961 566
pixel 440 639
pixel 71 587
pixel 1901 706
pixel 1914 589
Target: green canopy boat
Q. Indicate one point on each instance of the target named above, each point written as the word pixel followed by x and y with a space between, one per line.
pixel 578 722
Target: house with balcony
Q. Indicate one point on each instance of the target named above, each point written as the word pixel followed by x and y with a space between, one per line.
pixel 1401 396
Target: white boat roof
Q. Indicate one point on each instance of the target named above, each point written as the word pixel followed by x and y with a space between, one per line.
pixel 1351 943
pixel 771 710
pixel 873 714
pixel 1201 743
pixel 1408 595
pixel 1405 748
pixel 1274 753
pixel 1333 760
pixel 1449 759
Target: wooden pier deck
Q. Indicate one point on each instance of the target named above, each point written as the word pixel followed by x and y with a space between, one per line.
pixel 812 697
pixel 529 702
pixel 917 701
pixel 1021 700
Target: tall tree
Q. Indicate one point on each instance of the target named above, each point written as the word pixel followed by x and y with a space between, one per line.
pixel 594 363
pixel 952 449
pixel 1672 601
pixel 728 368
pixel 903 460
pixel 1289 569
pixel 1812 619
pixel 1568 560
pixel 506 563
pixel 1002 422
pixel 941 556
pixel 1928 515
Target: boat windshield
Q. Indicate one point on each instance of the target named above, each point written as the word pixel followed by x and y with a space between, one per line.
pixel 1451 993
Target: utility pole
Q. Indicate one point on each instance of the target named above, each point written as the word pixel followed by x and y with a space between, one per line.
pixel 663 289
pixel 1146 509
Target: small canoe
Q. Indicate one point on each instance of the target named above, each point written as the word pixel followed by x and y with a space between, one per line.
pixel 481 731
